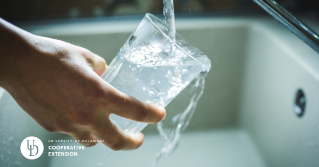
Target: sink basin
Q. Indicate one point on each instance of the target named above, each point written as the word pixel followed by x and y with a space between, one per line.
pixel 246 116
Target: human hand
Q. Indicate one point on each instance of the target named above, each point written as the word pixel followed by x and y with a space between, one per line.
pixel 59 86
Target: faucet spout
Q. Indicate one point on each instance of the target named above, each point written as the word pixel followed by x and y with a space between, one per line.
pixel 292 23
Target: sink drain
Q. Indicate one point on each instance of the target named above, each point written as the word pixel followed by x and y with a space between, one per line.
pixel 300 103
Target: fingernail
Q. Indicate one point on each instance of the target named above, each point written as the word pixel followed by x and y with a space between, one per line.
pixel 139 136
pixel 162 109
pixel 164 117
pixel 136 136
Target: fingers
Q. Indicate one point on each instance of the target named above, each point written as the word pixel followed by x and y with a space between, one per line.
pixel 83 136
pixel 114 137
pixel 99 65
pixel 129 107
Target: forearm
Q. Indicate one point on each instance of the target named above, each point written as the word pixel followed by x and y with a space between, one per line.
pixel 14 44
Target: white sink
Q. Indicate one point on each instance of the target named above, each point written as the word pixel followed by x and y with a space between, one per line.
pixel 245 117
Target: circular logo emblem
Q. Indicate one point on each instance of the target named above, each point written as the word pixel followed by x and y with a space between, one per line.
pixel 31 147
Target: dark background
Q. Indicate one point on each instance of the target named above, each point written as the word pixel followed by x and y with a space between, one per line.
pixel 30 10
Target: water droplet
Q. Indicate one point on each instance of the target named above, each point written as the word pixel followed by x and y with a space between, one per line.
pixel 184 71
pixel 159 82
pixel 161 104
pixel 100 164
pixel 152 82
pixel 143 88
pixel 157 62
pixel 138 66
pixel 155 68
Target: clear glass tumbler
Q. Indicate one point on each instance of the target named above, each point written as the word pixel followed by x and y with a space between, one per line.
pixel 153 68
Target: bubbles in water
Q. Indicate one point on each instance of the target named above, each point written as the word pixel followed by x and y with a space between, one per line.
pixel 152 82
pixel 161 104
pixel 154 56
pixel 4 142
pixel 100 164
pixel 9 152
pixel 177 70
pixel 184 71
pixel 132 39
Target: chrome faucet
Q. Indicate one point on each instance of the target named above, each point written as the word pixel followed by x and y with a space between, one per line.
pixel 291 22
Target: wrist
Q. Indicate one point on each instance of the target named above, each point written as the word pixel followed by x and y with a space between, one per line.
pixel 15 45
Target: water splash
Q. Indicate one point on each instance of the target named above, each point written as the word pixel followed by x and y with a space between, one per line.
pixel 179 122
